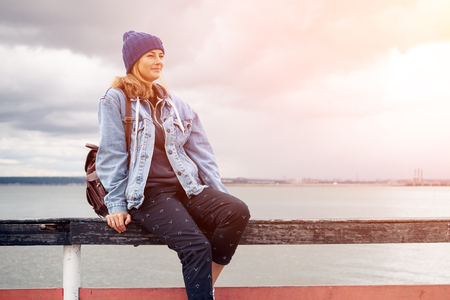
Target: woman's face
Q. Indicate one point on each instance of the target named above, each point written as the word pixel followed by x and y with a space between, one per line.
pixel 151 64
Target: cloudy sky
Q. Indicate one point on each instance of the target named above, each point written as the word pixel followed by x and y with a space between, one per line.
pixel 344 89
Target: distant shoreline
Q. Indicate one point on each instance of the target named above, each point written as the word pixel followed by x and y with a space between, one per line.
pixel 334 185
pixel 82 181
pixel 75 180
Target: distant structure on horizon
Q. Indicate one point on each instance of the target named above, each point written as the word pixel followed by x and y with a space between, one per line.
pixel 418 176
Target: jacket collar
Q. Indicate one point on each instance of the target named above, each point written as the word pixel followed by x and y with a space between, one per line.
pixel 160 91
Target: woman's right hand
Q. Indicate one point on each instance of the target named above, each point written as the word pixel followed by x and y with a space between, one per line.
pixel 118 221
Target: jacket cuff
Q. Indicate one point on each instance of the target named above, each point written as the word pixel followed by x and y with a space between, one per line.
pixel 117 209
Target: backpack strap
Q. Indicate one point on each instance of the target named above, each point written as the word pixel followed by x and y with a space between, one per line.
pixel 128 122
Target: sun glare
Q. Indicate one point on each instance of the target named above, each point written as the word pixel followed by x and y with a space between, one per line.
pixel 421 75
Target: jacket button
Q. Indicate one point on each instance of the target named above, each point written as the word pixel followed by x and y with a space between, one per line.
pixel 168 130
pixel 179 173
pixel 165 119
pixel 170 152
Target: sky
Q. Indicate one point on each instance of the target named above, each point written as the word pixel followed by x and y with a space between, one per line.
pixel 329 89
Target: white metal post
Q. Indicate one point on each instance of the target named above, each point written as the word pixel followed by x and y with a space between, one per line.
pixel 71 271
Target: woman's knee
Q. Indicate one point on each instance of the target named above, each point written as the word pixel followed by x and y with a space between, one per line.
pixel 244 210
pixel 240 209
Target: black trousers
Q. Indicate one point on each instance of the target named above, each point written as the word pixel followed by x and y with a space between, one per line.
pixel 178 221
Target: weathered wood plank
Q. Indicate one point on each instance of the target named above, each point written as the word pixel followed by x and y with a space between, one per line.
pixel 347 232
pixel 258 232
pixel 34 232
pixel 86 232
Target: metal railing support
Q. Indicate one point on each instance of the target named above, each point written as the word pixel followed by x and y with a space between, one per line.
pixel 71 271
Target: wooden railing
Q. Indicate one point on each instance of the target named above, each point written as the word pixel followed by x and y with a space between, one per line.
pixel 72 233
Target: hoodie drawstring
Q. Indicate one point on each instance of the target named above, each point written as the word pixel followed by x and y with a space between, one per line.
pixel 176 114
pixel 138 105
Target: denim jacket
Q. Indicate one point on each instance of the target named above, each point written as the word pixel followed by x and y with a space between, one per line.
pixel 188 149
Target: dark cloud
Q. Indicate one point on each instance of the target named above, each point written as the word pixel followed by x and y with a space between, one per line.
pixel 95 28
pixel 48 110
pixel 51 120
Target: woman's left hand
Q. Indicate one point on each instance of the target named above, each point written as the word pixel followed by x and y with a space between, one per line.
pixel 118 221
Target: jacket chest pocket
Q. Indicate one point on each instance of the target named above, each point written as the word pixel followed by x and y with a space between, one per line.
pixel 140 132
pixel 182 137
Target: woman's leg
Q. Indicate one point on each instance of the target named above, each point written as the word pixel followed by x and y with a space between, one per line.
pixel 223 215
pixel 165 217
pixel 216 270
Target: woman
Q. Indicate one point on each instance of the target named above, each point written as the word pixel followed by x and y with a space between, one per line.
pixel 170 183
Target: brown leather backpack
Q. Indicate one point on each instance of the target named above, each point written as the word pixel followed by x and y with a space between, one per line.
pixel 95 192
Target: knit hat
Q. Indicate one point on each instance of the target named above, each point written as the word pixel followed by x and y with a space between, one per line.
pixel 136 44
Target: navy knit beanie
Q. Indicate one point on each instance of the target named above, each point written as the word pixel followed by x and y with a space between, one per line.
pixel 135 44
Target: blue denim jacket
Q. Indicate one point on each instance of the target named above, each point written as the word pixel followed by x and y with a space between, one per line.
pixel 188 149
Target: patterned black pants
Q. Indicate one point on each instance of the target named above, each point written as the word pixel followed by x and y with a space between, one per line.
pixel 178 221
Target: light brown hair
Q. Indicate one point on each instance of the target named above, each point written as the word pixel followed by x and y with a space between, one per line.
pixel 133 85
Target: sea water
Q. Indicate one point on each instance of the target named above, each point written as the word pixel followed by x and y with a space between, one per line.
pixel 267 265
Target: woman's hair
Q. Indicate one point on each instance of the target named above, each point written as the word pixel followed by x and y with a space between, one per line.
pixel 134 85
